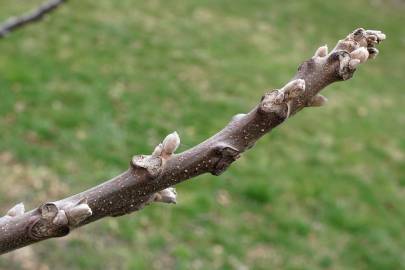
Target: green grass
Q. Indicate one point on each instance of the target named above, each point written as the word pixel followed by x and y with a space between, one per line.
pixel 99 81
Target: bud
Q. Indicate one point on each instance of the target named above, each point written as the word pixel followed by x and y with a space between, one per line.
pixel 171 142
pixel 380 35
pixel 373 52
pixel 79 213
pixel 294 88
pixel 167 195
pixel 16 210
pixel 372 40
pixel 60 219
pixel 317 101
pixel 321 51
pixel 360 53
pixel 353 63
pixel 158 150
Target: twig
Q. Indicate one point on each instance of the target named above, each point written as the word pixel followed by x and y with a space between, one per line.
pixel 150 177
pixel 14 23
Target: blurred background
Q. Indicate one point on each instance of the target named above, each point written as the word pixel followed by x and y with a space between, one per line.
pixel 99 81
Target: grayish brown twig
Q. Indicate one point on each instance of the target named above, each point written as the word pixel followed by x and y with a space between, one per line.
pixel 150 177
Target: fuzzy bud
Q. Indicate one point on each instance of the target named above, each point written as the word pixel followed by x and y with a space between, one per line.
pixel 16 210
pixel 353 63
pixel 372 40
pixel 171 142
pixel 317 101
pixel 380 35
pixel 321 51
pixel 158 150
pixel 360 53
pixel 167 195
pixel 373 52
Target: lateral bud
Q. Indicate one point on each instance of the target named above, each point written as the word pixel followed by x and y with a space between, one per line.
pixel 167 195
pixel 60 219
pixel 317 101
pixel 170 144
pixel 322 51
pixel 238 116
pixel 353 63
pixel 79 212
pixel 380 35
pixel 277 100
pixel 16 210
pixel 158 150
pixel 373 52
pixel 360 54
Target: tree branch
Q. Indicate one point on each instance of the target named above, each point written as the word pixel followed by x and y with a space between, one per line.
pixel 150 177
pixel 38 14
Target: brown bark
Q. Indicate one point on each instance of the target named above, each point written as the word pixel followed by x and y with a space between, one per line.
pixel 150 177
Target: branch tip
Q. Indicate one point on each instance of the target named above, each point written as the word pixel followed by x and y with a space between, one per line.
pixel 380 35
